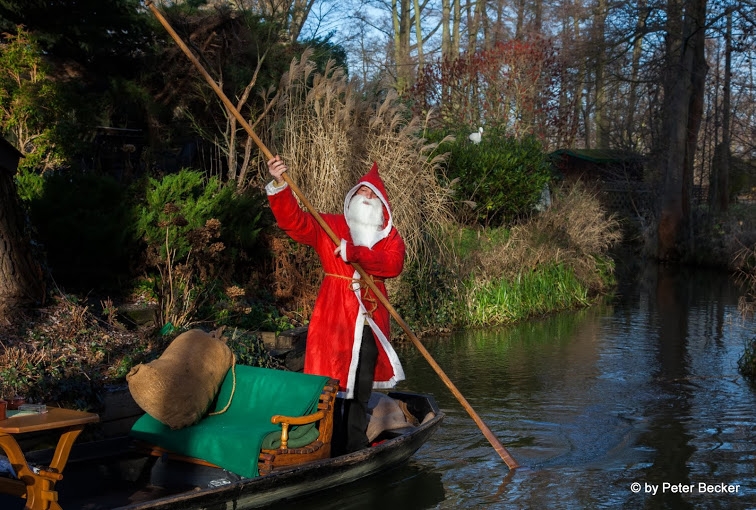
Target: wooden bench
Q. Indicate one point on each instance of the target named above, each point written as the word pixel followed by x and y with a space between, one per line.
pixel 288 452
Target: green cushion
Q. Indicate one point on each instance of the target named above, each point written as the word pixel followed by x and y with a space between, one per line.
pixel 233 439
pixel 299 436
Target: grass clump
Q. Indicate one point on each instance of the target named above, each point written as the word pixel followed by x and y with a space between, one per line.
pixel 575 232
pixel 556 260
pixel 745 261
pixel 550 288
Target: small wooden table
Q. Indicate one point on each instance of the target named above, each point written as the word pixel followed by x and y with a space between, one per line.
pixel 38 486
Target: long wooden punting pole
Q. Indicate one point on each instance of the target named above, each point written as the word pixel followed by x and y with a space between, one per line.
pixel 506 457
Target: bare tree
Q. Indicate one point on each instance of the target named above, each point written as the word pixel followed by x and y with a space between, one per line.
pixel 446 37
pixel 419 33
pixel 600 47
pixel 629 129
pixel 475 12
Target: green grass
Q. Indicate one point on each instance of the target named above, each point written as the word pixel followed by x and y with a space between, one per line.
pixel 467 241
pixel 547 289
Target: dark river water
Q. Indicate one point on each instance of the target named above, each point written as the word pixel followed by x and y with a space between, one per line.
pixel 634 404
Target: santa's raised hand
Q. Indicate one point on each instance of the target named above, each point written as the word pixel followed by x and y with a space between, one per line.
pixel 277 167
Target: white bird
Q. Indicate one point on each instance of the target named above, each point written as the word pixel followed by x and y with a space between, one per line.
pixel 475 137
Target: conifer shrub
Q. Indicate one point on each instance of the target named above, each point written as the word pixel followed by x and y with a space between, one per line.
pixel 30 185
pixel 196 231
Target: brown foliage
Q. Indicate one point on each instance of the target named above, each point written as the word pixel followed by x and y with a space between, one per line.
pixel 573 231
pixel 296 274
pixel 64 340
pixel 511 86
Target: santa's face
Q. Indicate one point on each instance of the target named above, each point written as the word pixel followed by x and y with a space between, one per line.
pixel 365 217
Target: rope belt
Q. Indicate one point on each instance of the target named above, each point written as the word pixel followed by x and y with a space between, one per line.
pixel 369 297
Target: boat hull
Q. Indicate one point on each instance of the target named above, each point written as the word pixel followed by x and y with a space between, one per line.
pixel 82 487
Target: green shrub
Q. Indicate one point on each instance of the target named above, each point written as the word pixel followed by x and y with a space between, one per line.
pixel 195 229
pixel 427 298
pixel 30 185
pixel 186 201
pixel 501 178
pixel 248 349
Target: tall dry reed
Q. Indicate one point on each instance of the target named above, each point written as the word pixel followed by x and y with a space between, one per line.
pixel 329 134
pixel 575 231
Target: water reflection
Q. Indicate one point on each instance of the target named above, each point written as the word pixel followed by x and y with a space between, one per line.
pixel 643 390
pixel 411 486
pixel 667 436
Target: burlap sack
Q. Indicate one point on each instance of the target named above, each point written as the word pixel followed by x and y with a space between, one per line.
pixel 178 387
pixel 385 413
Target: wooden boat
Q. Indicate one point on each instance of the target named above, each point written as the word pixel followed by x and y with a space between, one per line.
pixel 113 474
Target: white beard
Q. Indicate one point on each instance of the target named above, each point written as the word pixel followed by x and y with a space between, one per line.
pixel 365 219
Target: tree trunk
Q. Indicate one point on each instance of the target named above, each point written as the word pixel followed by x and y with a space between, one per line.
pixel 681 118
pixel 696 44
pixel 401 17
pixel 21 280
pixel 419 35
pixel 640 26
pixel 599 43
pixel 456 30
pixel 446 43
pixel 520 18
pixel 722 155
pixel 473 24
pixel 537 17
pixel 300 10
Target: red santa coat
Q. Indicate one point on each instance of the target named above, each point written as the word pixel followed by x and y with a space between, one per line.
pixel 343 307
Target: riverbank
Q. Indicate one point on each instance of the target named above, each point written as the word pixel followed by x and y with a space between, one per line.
pixel 565 258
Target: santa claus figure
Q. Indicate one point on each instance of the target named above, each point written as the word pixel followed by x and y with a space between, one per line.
pixel 348 336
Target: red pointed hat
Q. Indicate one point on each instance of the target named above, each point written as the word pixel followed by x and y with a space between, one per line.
pixel 373 180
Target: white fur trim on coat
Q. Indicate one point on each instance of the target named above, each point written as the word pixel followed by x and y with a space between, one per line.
pixel 393 357
pixel 384 232
pixel 272 189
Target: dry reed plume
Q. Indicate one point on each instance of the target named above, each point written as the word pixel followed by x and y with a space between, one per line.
pixel 573 232
pixel 329 135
